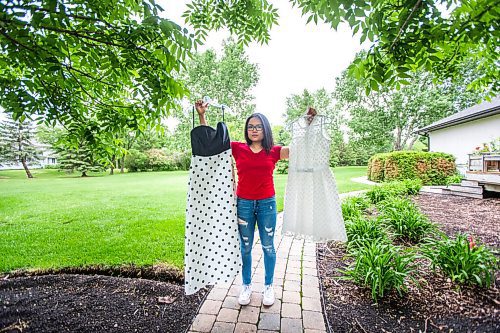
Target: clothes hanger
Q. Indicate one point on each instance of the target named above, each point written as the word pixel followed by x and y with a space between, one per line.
pixel 302 121
pixel 214 104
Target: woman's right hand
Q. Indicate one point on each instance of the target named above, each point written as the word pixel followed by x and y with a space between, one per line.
pixel 311 113
pixel 201 107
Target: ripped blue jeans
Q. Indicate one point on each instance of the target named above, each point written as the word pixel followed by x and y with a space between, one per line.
pixel 263 213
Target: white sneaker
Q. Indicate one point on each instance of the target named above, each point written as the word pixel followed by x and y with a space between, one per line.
pixel 245 294
pixel 268 295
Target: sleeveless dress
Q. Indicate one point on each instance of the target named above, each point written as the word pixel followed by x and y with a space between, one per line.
pixel 312 208
pixel 212 248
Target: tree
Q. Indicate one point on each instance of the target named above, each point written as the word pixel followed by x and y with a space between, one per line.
pixel 81 159
pixel 49 135
pixel 115 62
pixel 321 100
pixel 17 143
pixel 228 79
pixel 406 36
pixel 296 105
pixel 281 135
pixel 246 19
pixel 458 86
pixel 386 120
pixel 416 35
pixel 76 153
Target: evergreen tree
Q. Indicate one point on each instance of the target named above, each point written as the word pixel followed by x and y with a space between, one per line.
pixel 78 158
pixel 17 144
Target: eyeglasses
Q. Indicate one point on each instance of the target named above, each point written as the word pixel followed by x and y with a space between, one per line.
pixel 257 128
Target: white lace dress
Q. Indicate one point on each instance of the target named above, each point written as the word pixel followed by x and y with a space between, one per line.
pixel 312 208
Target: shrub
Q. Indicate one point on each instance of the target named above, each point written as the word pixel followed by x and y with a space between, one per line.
pixel 52 166
pixel 394 189
pixel 453 179
pixel 462 260
pixel 361 231
pixel 135 160
pixel 282 167
pixel 377 194
pixel 354 207
pixel 412 186
pixel 157 160
pixel 382 268
pixel 432 168
pixel 181 160
pixel 385 191
pixel 405 219
pixel 376 165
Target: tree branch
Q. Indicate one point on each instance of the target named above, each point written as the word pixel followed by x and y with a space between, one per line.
pixel 457 47
pixel 78 34
pixel 45 10
pixel 88 94
pixel 403 27
pixel 3 33
pixel 71 68
pixel 96 99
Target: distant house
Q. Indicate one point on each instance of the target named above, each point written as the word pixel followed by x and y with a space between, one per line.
pixel 460 133
pixel 47 158
pixel 47 155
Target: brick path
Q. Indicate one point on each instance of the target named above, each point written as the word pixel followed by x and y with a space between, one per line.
pixel 297 307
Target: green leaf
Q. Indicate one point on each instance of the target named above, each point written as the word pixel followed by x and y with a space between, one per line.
pixel 37 17
pixel 359 12
pixel 52 4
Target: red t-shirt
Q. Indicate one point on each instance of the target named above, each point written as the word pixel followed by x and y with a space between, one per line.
pixel 255 171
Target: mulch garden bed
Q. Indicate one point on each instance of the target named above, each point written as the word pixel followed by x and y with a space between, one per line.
pixel 93 302
pixel 438 305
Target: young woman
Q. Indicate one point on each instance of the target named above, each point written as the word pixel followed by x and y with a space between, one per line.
pixel 256 203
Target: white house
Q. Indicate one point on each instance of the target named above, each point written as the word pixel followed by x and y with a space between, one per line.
pixel 460 133
pixel 46 155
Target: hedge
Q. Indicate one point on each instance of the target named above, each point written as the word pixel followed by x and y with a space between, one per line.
pixel 156 160
pixel 431 168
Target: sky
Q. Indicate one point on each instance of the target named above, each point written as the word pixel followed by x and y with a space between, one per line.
pixel 298 57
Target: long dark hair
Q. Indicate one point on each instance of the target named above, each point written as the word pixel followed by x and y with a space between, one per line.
pixel 267 142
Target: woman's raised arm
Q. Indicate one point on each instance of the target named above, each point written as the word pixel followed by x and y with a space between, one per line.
pixel 201 108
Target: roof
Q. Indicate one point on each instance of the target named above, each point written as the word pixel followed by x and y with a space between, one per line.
pixel 478 111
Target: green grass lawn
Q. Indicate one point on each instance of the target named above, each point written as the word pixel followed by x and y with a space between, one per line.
pixel 58 220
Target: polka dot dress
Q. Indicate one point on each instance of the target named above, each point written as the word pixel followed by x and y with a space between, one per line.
pixel 212 252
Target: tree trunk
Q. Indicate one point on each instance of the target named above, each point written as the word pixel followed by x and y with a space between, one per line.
pixel 112 167
pixel 25 166
pixel 84 174
pixel 410 145
pixel 122 164
pixel 397 140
